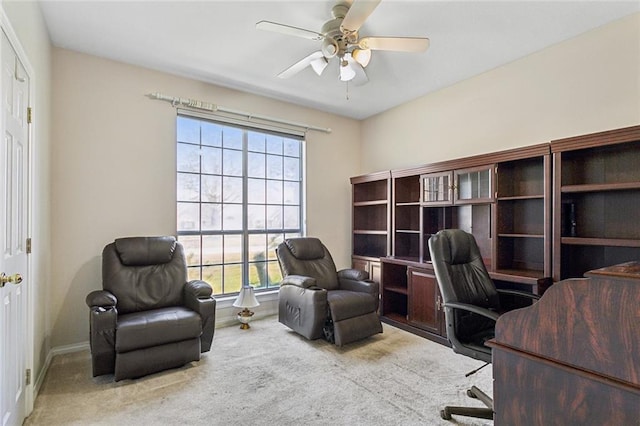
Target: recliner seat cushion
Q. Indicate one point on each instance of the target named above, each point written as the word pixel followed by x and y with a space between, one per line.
pixel 346 304
pixel 156 327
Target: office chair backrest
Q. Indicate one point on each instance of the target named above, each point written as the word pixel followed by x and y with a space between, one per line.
pixel 462 277
pixel 460 270
pixel 144 272
pixel 310 258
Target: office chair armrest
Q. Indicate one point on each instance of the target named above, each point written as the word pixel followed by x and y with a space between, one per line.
pixel 472 308
pixel 518 293
pixel 299 281
pixel 101 298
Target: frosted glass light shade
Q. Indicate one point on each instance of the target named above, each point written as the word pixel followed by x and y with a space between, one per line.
pixel 362 56
pixel 346 72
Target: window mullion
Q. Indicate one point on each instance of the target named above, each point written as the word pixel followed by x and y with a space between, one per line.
pixel 245 208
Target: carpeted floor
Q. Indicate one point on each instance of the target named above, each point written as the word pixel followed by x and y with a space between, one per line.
pixel 269 375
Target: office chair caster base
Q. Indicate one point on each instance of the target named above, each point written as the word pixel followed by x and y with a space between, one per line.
pixel 479 413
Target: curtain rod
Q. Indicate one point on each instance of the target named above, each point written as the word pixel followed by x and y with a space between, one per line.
pixel 207 106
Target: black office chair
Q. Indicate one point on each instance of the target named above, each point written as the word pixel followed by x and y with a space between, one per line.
pixel 472 305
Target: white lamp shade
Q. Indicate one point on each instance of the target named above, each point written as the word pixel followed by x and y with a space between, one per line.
pixel 246 298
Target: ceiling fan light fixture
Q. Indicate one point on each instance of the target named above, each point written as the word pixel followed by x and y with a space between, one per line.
pixel 362 56
pixel 329 47
pixel 346 72
pixel 319 65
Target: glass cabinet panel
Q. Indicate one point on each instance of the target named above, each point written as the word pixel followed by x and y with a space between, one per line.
pixel 436 188
pixel 474 185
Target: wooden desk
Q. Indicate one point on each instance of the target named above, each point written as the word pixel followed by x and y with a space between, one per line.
pixel 573 358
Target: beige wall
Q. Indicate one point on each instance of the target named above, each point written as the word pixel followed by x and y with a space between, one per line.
pixel 114 161
pixel 584 85
pixel 112 149
pixel 27 22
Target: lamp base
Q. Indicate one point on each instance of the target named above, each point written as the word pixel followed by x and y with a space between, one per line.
pixel 244 317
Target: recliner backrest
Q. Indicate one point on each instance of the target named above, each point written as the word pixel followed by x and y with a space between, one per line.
pixel 310 258
pixel 144 272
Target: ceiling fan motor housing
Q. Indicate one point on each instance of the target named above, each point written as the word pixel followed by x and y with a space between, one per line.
pixel 336 42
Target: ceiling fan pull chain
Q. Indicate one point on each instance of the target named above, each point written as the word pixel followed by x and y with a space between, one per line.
pixel 347 92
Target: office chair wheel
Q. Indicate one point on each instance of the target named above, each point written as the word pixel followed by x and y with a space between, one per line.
pixel 445 414
pixel 471 394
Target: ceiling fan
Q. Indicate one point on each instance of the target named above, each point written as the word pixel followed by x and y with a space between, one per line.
pixel 339 38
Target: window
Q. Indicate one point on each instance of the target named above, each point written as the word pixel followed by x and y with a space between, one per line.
pixel 239 194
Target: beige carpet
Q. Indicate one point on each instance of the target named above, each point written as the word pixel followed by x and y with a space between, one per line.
pixel 271 376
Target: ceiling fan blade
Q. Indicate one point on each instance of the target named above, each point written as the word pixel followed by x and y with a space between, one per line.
pixel 289 30
pixel 300 65
pixel 361 76
pixel 399 44
pixel 357 14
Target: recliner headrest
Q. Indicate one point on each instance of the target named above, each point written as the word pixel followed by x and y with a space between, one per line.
pixel 143 251
pixel 305 248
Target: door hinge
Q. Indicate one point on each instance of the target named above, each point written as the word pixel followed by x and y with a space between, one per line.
pixel 28 245
pixel 27 377
pixel 29 115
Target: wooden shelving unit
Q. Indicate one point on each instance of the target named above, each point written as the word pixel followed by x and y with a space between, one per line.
pixel 597 201
pixel 522 235
pixel 371 236
pixel 540 214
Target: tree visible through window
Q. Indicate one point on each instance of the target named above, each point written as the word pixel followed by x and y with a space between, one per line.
pixel 239 194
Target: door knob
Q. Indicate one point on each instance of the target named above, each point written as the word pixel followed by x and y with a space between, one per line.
pixel 15 278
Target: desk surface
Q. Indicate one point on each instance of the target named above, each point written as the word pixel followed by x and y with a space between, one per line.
pixel 628 270
pixel 577 349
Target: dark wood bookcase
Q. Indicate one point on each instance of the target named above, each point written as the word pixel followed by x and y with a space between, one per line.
pixel 371 221
pixel 596 201
pixel 502 198
pixel 540 213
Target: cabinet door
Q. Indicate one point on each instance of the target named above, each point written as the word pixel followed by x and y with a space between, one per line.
pixel 474 185
pixel 425 309
pixel 360 264
pixel 436 188
pixel 375 272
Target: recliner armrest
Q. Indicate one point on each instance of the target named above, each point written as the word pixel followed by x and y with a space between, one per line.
pixel 472 308
pixel 363 286
pixel 103 317
pixel 197 289
pixel 101 298
pixel 353 274
pixel 197 297
pixel 299 281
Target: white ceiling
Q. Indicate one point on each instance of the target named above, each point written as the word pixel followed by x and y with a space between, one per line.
pixel 216 41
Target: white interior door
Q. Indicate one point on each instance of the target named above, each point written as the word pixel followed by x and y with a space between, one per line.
pixel 14 162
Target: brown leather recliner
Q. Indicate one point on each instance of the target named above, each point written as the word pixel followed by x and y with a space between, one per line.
pixel 148 318
pixel 315 300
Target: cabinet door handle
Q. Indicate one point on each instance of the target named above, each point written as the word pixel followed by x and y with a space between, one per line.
pixel 438 303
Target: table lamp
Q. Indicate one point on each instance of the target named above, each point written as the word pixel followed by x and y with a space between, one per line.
pixel 246 299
